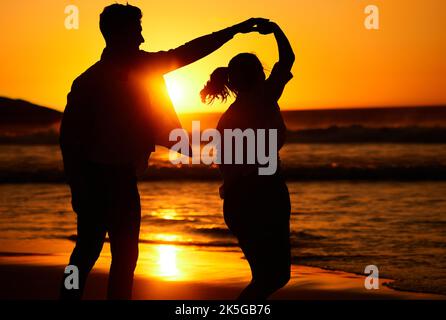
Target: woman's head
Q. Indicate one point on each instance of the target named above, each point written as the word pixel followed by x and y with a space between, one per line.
pixel 244 72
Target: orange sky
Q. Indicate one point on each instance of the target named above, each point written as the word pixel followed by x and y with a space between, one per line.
pixel 338 62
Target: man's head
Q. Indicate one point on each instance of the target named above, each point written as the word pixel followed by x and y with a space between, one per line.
pixel 121 26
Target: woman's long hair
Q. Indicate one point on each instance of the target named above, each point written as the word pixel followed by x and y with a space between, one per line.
pixel 242 73
pixel 217 86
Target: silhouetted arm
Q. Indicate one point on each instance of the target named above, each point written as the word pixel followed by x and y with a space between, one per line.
pixel 166 61
pixel 281 73
pixel 286 54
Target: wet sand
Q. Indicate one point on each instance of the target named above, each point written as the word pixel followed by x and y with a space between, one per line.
pixel 25 277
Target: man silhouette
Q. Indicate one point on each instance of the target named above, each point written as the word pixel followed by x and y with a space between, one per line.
pixel 117 111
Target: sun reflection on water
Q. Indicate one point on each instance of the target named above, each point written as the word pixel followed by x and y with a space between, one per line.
pixel 167 262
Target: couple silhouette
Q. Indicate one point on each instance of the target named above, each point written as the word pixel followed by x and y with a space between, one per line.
pixel 119 109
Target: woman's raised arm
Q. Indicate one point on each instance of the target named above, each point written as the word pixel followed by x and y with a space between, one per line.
pixel 281 72
pixel 286 54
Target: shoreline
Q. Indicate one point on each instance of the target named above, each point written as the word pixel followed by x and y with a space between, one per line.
pixel 25 281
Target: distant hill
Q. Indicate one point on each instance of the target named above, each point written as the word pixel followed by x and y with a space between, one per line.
pixel 27 123
pixel 22 113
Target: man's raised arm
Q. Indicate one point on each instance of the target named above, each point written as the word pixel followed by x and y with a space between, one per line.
pixel 167 61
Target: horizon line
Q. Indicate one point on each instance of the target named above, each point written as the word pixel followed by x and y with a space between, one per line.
pixel 440 105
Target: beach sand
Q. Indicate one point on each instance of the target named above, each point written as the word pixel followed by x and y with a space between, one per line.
pixel 38 276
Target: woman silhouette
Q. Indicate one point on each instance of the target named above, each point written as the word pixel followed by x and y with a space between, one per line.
pixel 256 208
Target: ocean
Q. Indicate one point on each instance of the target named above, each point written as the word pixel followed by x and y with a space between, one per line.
pixel 353 205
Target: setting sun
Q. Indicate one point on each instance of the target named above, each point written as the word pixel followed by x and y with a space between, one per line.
pixel 183 90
